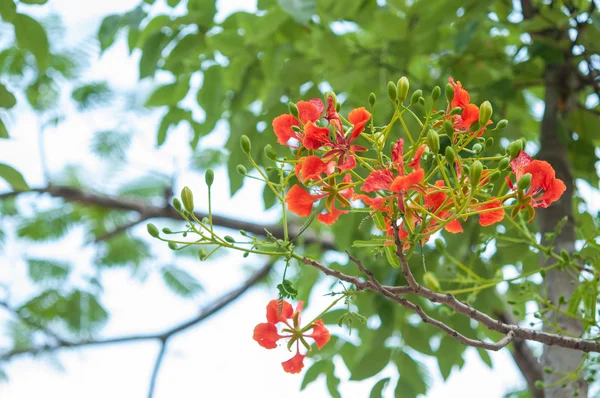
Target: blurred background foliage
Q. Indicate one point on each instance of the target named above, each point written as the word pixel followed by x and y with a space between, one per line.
pixel 240 73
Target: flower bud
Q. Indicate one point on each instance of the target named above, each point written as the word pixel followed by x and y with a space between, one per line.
pixel 494 176
pixel 414 98
pixel 338 106
pixel 229 239
pixel 188 199
pixel 297 129
pixel 422 101
pixel 433 141
pixel 449 92
pixel 402 87
pixel 172 245
pixel 450 155
pixel 489 142
pixel 167 230
pixel 503 164
pixel 177 204
pixel 332 95
pixel 209 177
pixel 245 144
pixel 152 230
pixel 431 281
pixel 241 169
pixel 270 152
pixel 565 256
pixel 524 182
pixel 456 111
pixel 392 91
pixel 514 148
pixel 475 174
pixel 477 148
pixel 449 128
pixel 435 93
pixel 372 99
pixel 202 254
pixel 293 109
pixel 485 113
pixel 501 124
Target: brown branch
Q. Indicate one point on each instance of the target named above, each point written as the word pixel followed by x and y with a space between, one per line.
pixel 212 308
pixel 148 211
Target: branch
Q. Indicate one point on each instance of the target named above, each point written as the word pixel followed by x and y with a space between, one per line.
pixel 148 211
pixel 159 359
pixel 212 308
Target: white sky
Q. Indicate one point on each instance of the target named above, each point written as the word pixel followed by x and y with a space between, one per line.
pixel 217 358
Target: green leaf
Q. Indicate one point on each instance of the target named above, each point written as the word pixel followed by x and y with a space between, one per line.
pixel 371 363
pixel 211 95
pixel 7 99
pixel 34 2
pixel 286 290
pixel 485 357
pixel 377 391
pixel 42 270
pixel 48 225
pixel 3 130
pixel 92 95
pixel 449 354
pixel 413 375
pixel 208 158
pixel 390 254
pixel 169 94
pixel 31 36
pixel 110 144
pixel 123 250
pixel 13 178
pixel 180 282
pixel 300 10
pixel 313 372
pixel 108 30
pixel 151 53
pixel 8 10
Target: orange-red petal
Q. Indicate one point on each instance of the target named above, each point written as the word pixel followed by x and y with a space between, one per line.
pixel 403 183
pixel 417 158
pixel 265 334
pixel 359 117
pixel 315 137
pixel 320 334
pixel 461 96
pixel 491 217
pixel 282 125
pixel 299 201
pixel 374 203
pixel 454 227
pixel 331 216
pixel 378 180
pixel 279 313
pixel 543 177
pixel 518 164
pixel 435 197
pixel 295 364
pixel 470 115
pixel 307 111
pixel 312 168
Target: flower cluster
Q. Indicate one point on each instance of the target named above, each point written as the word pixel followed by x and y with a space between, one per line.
pixel 281 313
pixel 418 191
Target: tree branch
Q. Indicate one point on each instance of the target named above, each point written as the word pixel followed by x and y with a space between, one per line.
pixel 212 308
pixel 159 360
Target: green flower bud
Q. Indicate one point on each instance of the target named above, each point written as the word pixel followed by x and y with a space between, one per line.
pixel 475 174
pixel 229 239
pixel 177 204
pixel 504 163
pixel 565 256
pixel 439 244
pixel 449 128
pixel 548 369
pixel 172 245
pixel 202 254
pixel 422 101
pixel 402 87
pixel 485 113
pixel 449 92
pixel 431 281
pixel 372 99
pixel 293 109
pixel 245 144
pixel 297 129
pixel 456 111
pixel 332 95
pixel 270 152
pixel 338 106
pixel 524 182
pixel 209 177
pixel 539 384
pixel 167 230
pixel 414 98
pixel 489 142
pixel 241 169
pixel 152 230
pixel 188 199
pixel 477 148
pixel 433 141
pixel 450 155
pixel 501 124
pixel 435 93
pixel 494 176
pixel 514 148
pixel 392 91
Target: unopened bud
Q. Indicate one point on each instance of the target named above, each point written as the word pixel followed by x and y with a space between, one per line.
pixel 449 92
pixel 293 109
pixel 477 148
pixel 152 230
pixel 177 204
pixel 504 163
pixel 172 245
pixel 489 142
pixel 372 99
pixel 565 255
pixel 241 169
pixel 209 177
pixel 270 152
pixel 392 91
pixel 435 93
pixel 229 239
pixel 450 155
pixel 448 128
pixel 245 144
pixel 338 106
pixel 524 182
pixel 514 148
pixel 414 98
pixel 475 174
pixel 188 199
pixel 501 124
pixel 456 111
pixel 297 129
pixel 402 87
pixel 167 230
pixel 494 176
pixel 202 254
pixel 485 113
pixel 433 141
pixel 422 101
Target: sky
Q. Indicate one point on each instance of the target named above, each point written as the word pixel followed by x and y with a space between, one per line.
pixel 218 358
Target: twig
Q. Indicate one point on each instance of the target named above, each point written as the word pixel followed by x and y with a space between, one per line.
pixel 159 360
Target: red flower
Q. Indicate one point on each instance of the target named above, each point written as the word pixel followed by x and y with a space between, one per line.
pixel 545 188
pixel 437 200
pixel 311 168
pixel 461 96
pixel 299 201
pixel 266 334
pixel 359 118
pixel 315 137
pixel 491 217
pixel 282 125
pixel 469 115
pixel 308 112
